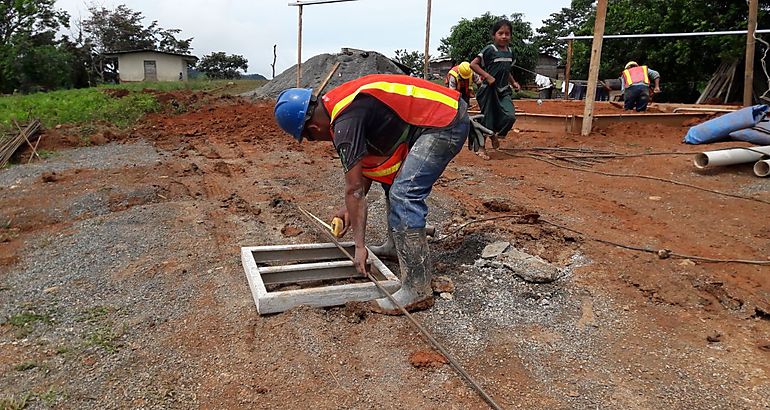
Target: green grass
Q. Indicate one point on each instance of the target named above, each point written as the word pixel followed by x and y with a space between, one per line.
pixel 75 107
pixel 27 318
pixel 14 403
pixel 88 105
pixel 25 366
pixel 105 338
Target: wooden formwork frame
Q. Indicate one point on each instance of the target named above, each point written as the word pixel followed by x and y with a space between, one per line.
pixel 317 263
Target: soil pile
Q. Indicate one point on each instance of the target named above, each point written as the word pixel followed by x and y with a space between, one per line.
pixel 353 64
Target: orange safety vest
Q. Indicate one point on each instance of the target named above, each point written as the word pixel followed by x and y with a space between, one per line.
pixel 635 75
pixel 465 85
pixel 416 101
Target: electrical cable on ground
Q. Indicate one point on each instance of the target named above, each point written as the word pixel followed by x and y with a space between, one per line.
pixel 662 253
pixel 612 174
pixel 435 343
pixel 600 154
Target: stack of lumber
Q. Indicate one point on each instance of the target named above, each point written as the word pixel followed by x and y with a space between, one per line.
pixel 10 145
pixel 720 85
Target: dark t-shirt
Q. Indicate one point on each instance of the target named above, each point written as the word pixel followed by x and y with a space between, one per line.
pixel 368 125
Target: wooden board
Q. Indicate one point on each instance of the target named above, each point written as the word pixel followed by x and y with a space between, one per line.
pixel 319 266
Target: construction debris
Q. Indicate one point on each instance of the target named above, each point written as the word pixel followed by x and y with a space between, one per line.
pixel 9 147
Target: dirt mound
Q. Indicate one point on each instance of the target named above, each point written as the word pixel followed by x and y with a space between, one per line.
pixel 353 64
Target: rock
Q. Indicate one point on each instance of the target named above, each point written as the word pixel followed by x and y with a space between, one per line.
pixel 442 284
pixel 422 359
pixel 290 231
pixel 445 295
pixel 529 268
pixel 49 176
pixel 494 249
pixel 714 337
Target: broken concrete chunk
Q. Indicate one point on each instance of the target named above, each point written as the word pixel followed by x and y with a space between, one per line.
pixel 494 249
pixel 442 284
pixel 528 267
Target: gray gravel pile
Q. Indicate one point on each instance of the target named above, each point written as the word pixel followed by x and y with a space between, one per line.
pixel 353 64
pixel 112 155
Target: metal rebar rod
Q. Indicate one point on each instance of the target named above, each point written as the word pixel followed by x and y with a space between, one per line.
pixel 435 343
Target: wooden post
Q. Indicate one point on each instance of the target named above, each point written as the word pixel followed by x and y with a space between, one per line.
pixel 299 47
pixel 567 69
pixel 275 55
pixel 593 70
pixel 748 78
pixel 427 43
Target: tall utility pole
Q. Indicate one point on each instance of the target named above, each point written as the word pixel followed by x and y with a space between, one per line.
pixel 299 45
pixel 748 77
pixel 568 68
pixel 299 5
pixel 593 70
pixel 427 43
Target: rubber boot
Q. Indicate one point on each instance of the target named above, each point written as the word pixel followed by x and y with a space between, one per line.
pixel 387 249
pixel 416 272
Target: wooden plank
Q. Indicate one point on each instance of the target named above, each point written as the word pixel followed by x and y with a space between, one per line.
pixel 293 253
pixel 258 290
pixel 273 302
pixel 426 69
pixel 568 69
pixel 321 297
pixel 593 70
pixel 748 76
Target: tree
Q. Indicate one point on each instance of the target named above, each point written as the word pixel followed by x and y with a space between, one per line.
pixel 221 65
pixel 469 37
pixel 30 56
pixel 122 29
pixel 414 60
pixel 685 63
pixel 561 24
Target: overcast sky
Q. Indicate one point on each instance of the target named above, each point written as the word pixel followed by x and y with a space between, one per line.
pixel 251 27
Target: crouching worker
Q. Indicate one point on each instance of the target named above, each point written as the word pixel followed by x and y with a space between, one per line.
pixel 397 130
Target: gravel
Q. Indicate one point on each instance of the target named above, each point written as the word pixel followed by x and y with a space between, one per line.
pixel 353 64
pixel 108 156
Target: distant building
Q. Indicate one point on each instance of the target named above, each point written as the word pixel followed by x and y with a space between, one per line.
pixel 151 65
pixel 548 66
pixel 439 66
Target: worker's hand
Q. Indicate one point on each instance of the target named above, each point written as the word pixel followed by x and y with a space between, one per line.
pixel 656 90
pixel 490 80
pixel 516 85
pixel 361 256
pixel 345 216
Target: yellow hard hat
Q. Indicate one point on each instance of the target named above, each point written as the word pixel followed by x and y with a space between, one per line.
pixel 465 70
pixel 631 64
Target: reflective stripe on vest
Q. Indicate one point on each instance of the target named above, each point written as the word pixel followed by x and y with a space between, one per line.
pixel 636 74
pixel 464 85
pixel 386 171
pixel 416 101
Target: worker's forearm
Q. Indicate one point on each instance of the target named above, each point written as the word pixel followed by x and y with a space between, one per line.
pixel 355 202
pixel 657 82
pixel 480 71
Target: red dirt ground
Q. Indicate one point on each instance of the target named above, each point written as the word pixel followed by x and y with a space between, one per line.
pixel 230 151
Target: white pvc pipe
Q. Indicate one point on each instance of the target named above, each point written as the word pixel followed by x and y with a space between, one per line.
pixel 730 156
pixel 657 35
pixel 762 168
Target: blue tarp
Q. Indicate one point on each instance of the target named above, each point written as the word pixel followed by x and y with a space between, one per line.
pixel 758 134
pixel 721 127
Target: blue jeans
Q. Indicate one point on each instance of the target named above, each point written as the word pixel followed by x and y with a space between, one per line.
pixel 424 164
pixel 636 97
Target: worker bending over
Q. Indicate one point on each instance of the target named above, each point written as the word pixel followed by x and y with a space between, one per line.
pixel 395 129
pixel 636 85
pixel 460 77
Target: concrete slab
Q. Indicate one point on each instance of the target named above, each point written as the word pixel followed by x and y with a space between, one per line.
pixel 309 264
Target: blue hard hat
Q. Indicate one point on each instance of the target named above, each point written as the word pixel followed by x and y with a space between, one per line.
pixel 291 108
